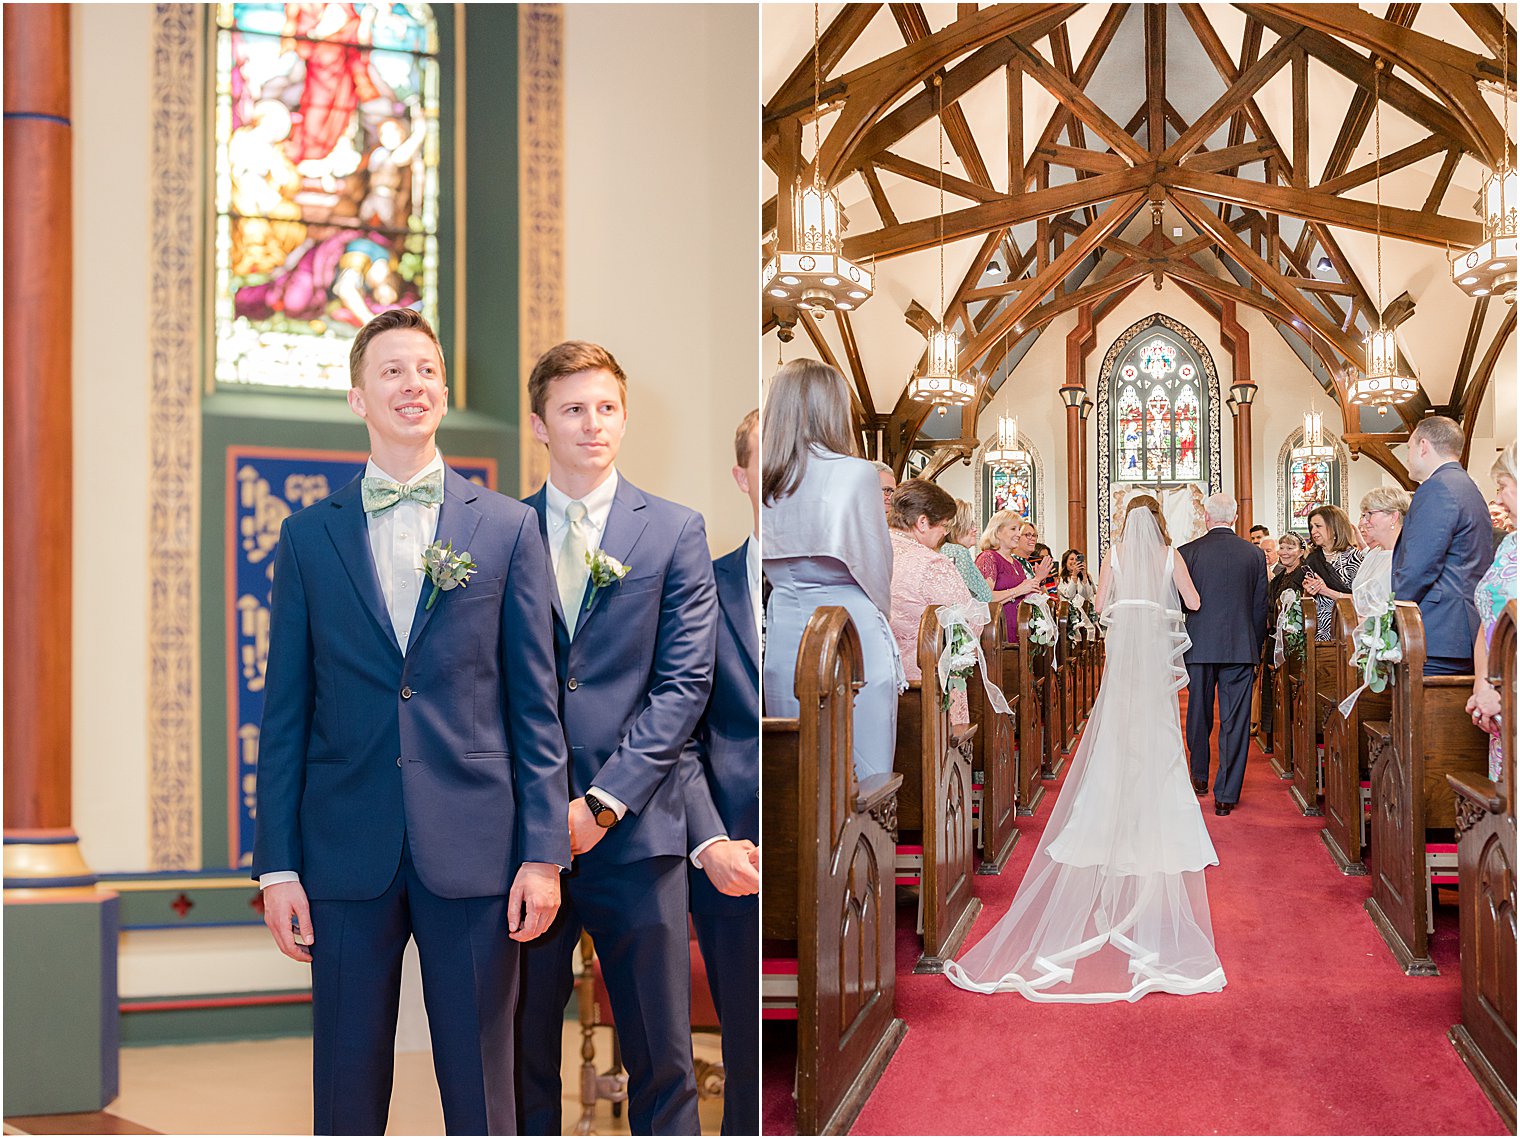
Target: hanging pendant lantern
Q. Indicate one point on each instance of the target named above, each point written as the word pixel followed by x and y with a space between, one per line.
pixel 1004 450
pixel 1489 268
pixel 1313 445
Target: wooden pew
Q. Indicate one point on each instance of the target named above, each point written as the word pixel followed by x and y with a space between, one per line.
pixel 1067 647
pixel 994 752
pixel 1485 1038
pixel 935 802
pixel 1316 682
pixel 1050 666
pixel 1025 682
pixel 828 911
pixel 1430 735
pixel 1283 685
pixel 1347 765
pixel 1266 724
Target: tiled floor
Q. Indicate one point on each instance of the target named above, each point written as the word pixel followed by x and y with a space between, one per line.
pixel 263 1087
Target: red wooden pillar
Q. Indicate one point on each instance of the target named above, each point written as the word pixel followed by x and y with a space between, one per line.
pixel 1076 480
pixel 1243 394
pixel 1086 411
pixel 39 841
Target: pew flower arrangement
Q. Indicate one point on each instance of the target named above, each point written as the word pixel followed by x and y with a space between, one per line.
pixel 1290 623
pixel 1042 628
pixel 1377 649
pixel 961 650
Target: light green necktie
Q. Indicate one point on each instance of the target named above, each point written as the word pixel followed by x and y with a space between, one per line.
pixel 380 494
pixel 572 571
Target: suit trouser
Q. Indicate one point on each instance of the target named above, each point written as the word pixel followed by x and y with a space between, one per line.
pixel 1448 666
pixel 730 945
pixel 469 985
pixel 1234 683
pixel 636 915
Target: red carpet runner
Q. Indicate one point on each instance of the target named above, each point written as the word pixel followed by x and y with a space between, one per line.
pixel 1316 1032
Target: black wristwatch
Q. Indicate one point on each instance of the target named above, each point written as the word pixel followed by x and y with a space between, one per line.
pixel 604 815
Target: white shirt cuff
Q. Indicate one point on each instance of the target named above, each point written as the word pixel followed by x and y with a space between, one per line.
pixel 275 877
pixel 612 801
pixel 696 854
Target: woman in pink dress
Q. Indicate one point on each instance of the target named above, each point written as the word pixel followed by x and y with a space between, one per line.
pixel 1007 544
pixel 922 576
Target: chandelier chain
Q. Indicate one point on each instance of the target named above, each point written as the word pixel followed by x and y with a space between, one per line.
pixel 817 96
pixel 1377 118
pixel 939 88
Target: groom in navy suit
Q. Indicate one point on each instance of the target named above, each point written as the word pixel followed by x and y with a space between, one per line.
pixel 723 810
pixel 635 616
pixel 1445 546
pixel 411 761
pixel 1227 630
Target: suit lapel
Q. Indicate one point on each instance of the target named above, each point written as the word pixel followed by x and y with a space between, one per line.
pixel 347 528
pixel 457 520
pixel 625 524
pixel 738 609
pixel 540 504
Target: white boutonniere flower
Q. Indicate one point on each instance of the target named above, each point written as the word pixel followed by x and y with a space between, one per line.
pixel 605 570
pixel 445 568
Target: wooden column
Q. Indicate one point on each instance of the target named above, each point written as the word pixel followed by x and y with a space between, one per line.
pixel 1085 412
pixel 1072 397
pixel 1243 395
pixel 38 441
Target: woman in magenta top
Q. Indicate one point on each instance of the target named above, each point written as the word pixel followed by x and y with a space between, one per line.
pixel 1007 544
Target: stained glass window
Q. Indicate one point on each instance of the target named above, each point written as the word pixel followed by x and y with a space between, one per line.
pixel 1309 483
pixel 1159 436
pixel 1011 488
pixel 326 183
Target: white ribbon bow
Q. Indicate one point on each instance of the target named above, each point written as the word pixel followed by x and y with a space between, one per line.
pixel 969 615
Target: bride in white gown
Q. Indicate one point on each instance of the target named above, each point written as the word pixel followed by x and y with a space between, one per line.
pixel 1113 905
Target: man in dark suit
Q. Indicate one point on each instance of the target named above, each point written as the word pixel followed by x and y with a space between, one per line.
pixel 411 763
pixel 1227 630
pixel 635 621
pixel 722 784
pixel 1445 547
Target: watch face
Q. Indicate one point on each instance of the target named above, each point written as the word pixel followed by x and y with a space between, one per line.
pixel 606 817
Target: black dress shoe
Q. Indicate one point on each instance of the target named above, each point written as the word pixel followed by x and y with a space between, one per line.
pixel 1223 808
pixel 1201 786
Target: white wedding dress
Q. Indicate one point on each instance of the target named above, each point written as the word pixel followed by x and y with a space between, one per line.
pixel 1113 905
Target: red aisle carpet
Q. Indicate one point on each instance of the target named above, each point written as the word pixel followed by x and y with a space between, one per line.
pixel 1316 1032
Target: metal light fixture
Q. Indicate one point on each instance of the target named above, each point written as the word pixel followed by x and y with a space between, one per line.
pixel 1490 267
pixel 1385 382
pixel 1004 450
pixel 1313 445
pixel 815 274
pixel 941 383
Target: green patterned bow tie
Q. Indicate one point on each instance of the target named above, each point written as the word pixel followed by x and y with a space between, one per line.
pixel 382 494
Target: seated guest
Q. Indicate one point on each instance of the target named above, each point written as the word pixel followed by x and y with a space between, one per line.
pixel 1007 544
pixel 1274 566
pixel 921 575
pixel 1495 590
pixel 825 543
pixel 1260 534
pixel 958 546
pixel 1042 555
pixel 1290 551
pixel 888 478
pixel 1382 518
pixel 1445 546
pixel 1332 564
pixel 1080 593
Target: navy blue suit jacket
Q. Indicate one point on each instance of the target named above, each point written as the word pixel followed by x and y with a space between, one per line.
pixel 455 747
pixel 1230 573
pixel 634 681
pixel 1446 545
pixel 722 779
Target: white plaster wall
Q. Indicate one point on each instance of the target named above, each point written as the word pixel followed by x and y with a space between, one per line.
pixel 660 200
pixel 112 62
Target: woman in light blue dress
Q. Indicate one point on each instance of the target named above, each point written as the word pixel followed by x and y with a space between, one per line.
pixel 824 542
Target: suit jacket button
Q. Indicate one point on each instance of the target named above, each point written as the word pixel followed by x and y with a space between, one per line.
pixel 573 684
pixel 406 694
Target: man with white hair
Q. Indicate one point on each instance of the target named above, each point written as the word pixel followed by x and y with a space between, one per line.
pixel 1445 546
pixel 1227 630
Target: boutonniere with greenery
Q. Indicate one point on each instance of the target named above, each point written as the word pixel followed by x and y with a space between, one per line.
pixel 446 569
pixel 605 570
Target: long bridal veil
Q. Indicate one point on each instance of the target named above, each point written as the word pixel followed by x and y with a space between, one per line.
pixel 1113 905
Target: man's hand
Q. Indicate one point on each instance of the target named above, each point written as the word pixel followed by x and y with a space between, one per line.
pixel 732 866
pixel 534 900
pixel 282 901
pixel 584 833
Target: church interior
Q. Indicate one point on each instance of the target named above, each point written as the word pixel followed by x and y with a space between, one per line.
pixel 1063 255
pixel 202 205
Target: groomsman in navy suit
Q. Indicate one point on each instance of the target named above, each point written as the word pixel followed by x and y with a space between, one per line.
pixel 635 616
pixel 723 810
pixel 411 761
pixel 1445 547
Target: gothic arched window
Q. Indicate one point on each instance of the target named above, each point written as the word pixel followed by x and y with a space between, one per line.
pixel 325 183
pixel 1157 410
pixel 1304 484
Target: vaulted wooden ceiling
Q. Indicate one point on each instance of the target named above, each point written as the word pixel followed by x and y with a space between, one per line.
pixel 1091 148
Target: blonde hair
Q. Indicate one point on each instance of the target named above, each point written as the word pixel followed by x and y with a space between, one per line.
pixel 1386 498
pixel 1505 464
pixel 1001 518
pixel 808 406
pixel 1149 503
pixel 965 519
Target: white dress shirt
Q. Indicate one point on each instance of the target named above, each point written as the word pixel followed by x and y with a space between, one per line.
pixel 598 504
pixel 397 539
